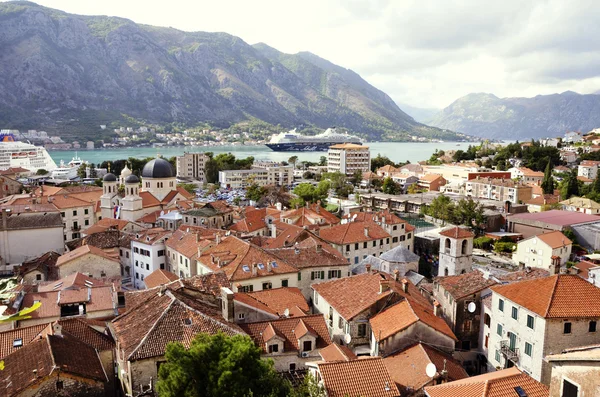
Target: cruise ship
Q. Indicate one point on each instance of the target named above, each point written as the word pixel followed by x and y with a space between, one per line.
pixel 15 154
pixel 294 142
pixel 68 171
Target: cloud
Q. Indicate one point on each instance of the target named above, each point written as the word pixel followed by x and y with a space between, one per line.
pixel 425 53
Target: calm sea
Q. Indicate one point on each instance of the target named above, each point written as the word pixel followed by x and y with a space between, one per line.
pixel 396 151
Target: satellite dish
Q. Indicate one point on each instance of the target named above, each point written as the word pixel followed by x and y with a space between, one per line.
pixel 471 307
pixel 430 370
pixel 286 313
pixel 347 339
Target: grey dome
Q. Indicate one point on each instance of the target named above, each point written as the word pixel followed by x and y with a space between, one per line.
pixel 132 179
pixel 109 177
pixel 158 168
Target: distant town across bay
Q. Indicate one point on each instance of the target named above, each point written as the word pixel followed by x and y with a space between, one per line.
pixel 397 151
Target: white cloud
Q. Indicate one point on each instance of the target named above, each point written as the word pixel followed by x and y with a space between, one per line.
pixel 422 53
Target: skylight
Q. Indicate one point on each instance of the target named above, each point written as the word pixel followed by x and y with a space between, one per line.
pixel 261 266
pixel 18 342
pixel 245 268
pixel 274 264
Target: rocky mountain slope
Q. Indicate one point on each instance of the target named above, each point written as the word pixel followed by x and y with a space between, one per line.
pixel 485 115
pixel 60 71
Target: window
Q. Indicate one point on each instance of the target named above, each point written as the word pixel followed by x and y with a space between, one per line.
pixel 161 253
pixel 186 262
pixel 136 263
pixel 365 244
pixel 374 243
pixel 246 288
pixel 515 313
pixel 356 260
pixel 499 329
pixel 74 213
pixel 316 275
pixel 530 321
pixel 487 319
pixel 267 285
pixel 340 322
pixel 62 214
pixel 299 276
pixel 347 247
pixel 592 326
pixel 569 389
pixel 162 266
pixel 241 316
pixel 126 254
pixel 273 348
pixel 528 348
pixel 356 246
pixel 307 346
pixel 362 330
pixel 334 274
pixel 86 222
pixel 497 356
pixel 86 211
pixel 284 283
pixel 147 266
pixel 567 328
pixel 18 342
pixel 137 275
pixel 292 366
pixel 38 277
pixel 501 305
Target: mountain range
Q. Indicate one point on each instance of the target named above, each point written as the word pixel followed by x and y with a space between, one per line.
pixel 70 73
pixel 487 116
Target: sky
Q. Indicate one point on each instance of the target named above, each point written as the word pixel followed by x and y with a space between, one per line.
pixel 422 53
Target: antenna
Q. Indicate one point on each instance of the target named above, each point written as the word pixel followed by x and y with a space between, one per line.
pixel 471 307
pixel 347 339
pixel 286 312
pixel 430 370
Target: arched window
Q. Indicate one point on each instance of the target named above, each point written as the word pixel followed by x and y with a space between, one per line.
pixel 445 271
pixel 464 247
pixel 447 244
pixel 486 319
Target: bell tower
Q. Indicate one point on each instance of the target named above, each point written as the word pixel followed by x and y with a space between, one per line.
pixel 456 251
pixel 109 192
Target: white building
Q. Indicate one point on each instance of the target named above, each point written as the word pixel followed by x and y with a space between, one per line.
pixel 192 165
pixel 148 254
pixel 240 179
pixel 588 169
pixel 348 158
pixel 528 320
pixel 573 137
pixel 548 251
pixel 456 251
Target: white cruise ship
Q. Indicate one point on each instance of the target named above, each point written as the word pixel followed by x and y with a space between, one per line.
pixel 68 171
pixel 21 154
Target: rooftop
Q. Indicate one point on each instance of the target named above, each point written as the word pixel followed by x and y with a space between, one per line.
pixel 581 202
pixel 335 352
pixel 554 217
pixel 463 285
pixel 159 277
pixel 353 232
pixel 553 239
pixel 83 251
pixel 275 301
pixel 457 232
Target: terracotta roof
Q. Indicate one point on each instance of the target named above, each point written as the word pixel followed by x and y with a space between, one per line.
pixel 553 239
pixel 151 236
pixel 581 202
pixel 350 296
pixel 584 267
pixel 457 232
pixel 289 329
pixel 310 253
pixel 107 223
pixel 73 201
pixel 348 146
pixel 83 251
pixel 494 384
pixel 238 259
pixel 45 356
pixel 379 216
pixel 45 263
pixel 558 296
pixel 254 219
pixel 148 200
pixel 22 335
pixel 353 232
pixel 387 168
pixel 274 301
pixel 311 214
pixel 529 172
pixel 554 217
pixel 463 285
pixel 543 200
pixel 404 314
pixel 335 352
pixel 109 238
pixel 144 331
pixel 75 280
pixel 80 329
pixel 159 277
pixel 362 377
pixel 430 178
pixel 286 235
pixel 407 367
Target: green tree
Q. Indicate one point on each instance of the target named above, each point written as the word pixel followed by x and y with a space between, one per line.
pixel 309 387
pixel 81 171
pixel 548 181
pixel 323 161
pixel 293 160
pixel 255 192
pixel 569 186
pixel 211 171
pixel 380 161
pixel 218 366
pixel 42 171
pixel 356 178
pixel 467 212
pixel 93 171
pixel 596 185
pixel 389 186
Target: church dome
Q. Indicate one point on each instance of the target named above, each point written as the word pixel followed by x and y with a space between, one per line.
pixel 158 168
pixel 132 179
pixel 125 172
pixel 109 178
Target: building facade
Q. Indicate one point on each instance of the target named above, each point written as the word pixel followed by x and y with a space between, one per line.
pixel 192 165
pixel 348 158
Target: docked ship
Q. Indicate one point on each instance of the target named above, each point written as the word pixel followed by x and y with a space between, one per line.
pixel 68 171
pixel 14 154
pixel 294 142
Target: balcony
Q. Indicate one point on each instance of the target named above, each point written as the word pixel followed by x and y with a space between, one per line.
pixel 511 354
pixel 75 228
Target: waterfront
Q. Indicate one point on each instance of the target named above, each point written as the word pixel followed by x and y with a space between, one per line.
pixel 396 151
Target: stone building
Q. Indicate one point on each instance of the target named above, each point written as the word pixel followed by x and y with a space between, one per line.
pixel 575 372
pixel 271 304
pixel 91 261
pixel 456 251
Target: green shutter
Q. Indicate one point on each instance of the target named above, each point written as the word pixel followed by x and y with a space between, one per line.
pixel 299 276
pixel 322 274
pixel 312 275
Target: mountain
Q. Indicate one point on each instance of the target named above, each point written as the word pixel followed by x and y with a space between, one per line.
pixel 487 116
pixel 70 73
pixel 422 115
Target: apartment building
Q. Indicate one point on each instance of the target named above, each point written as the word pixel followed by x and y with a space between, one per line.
pixel 499 190
pixel 192 165
pixel 588 169
pixel 548 251
pixel 240 179
pixel 348 158
pixel 148 254
pixel 526 175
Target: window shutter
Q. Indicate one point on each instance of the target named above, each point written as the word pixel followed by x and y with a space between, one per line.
pixel 312 275
pixel 322 274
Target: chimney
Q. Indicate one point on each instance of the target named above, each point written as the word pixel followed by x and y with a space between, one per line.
pixel 318 206
pixel 197 237
pixel 278 206
pixel 227 305
pixel 405 285
pixel 436 308
pixel 366 232
pixel 384 286
pixel 319 248
pixel 396 274
pixel 368 267
pixel 57 329
pixel 254 270
pixel 269 266
pixel 217 238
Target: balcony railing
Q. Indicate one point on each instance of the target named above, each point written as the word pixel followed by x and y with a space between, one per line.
pixel 75 228
pixel 511 354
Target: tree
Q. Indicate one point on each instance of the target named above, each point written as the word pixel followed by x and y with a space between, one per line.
pixel 211 171
pixel 218 366
pixel 255 192
pixel 309 388
pixel 548 181
pixel 596 185
pixel 356 178
pixel 380 161
pixel 81 171
pixel 93 171
pixel 42 171
pixel 389 186
pixel 569 186
pixel 323 161
pixel 293 160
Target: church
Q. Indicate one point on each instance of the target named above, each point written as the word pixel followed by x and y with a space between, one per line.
pixel 156 191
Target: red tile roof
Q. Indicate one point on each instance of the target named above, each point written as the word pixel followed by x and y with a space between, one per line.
pixel 310 253
pixel 311 214
pixel 554 239
pixel 274 301
pixel 558 296
pixel 407 367
pixel 457 232
pixel 362 377
pixel 159 277
pixel 353 232
pixel 380 216
pixel 83 251
pixel 335 352
pixel 25 334
pixel 494 384
pixel 289 329
pixel 463 285
pixel 554 217
pixel 584 267
pixel 402 315
pixel 254 219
